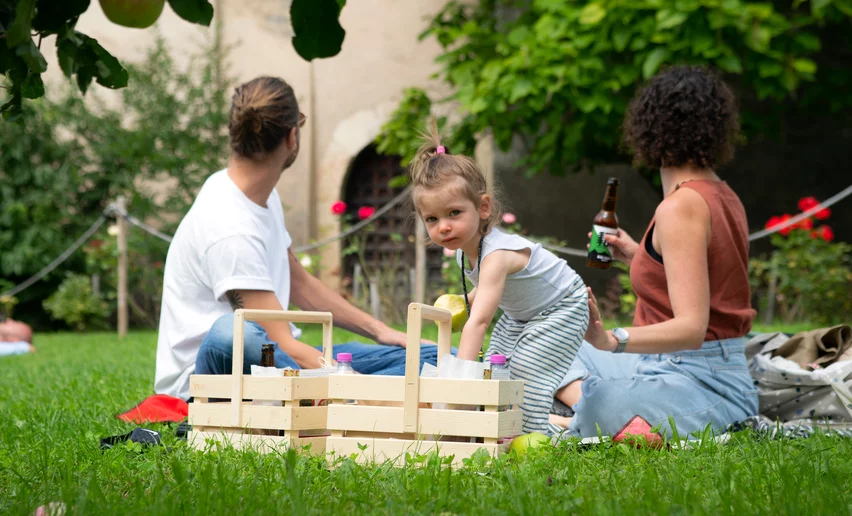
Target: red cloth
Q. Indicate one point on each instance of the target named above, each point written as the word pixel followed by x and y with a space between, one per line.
pixel 158 408
pixel 638 426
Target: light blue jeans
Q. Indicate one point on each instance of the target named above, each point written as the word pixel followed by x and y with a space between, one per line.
pixel 697 388
pixel 216 353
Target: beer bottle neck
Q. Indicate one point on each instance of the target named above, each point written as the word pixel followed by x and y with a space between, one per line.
pixel 610 198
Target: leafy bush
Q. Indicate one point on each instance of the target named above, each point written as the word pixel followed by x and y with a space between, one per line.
pixel 156 147
pixel 559 75
pixel 76 303
pixel 807 275
pixel 145 262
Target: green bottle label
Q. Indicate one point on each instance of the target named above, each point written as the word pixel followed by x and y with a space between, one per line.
pixel 598 247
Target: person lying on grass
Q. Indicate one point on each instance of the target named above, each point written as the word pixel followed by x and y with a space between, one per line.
pixel 544 303
pixel 684 356
pixel 232 250
pixel 16 338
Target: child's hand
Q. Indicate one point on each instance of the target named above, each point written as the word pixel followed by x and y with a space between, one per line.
pixel 622 245
pixel 596 335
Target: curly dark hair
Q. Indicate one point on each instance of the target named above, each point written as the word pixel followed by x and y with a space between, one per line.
pixel 685 116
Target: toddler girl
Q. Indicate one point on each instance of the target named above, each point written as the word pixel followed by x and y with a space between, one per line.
pixel 544 301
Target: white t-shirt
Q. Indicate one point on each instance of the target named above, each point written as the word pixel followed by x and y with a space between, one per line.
pixel 225 242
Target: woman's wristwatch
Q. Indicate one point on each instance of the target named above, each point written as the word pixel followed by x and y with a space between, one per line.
pixel 622 337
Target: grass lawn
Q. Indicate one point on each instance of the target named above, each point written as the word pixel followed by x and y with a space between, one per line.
pixel 56 404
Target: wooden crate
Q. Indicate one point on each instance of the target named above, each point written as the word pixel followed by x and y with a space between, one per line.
pixel 223 409
pixel 389 432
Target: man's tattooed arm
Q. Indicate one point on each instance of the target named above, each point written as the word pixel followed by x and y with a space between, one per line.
pixel 235 299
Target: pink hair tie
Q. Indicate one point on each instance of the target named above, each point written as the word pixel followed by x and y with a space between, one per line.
pixel 440 149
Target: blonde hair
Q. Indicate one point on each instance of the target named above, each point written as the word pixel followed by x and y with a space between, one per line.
pixel 432 169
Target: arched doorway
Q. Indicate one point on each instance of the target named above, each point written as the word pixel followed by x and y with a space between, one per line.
pixel 384 252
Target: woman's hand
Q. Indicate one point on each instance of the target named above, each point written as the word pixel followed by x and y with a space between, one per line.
pixel 596 335
pixel 623 247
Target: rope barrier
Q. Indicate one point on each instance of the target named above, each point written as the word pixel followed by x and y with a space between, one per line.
pixel 751 238
pixel 805 214
pixel 141 225
pixel 112 210
pixel 61 258
pixel 355 227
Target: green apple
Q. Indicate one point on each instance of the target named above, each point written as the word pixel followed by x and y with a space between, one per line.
pixel 138 14
pixel 521 443
pixel 455 304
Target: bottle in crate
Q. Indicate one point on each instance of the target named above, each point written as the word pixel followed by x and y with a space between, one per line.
pixel 344 366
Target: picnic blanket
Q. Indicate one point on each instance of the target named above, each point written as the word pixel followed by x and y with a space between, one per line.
pixel 806 376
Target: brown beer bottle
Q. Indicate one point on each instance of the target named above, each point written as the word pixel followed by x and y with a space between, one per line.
pixel 605 223
pixel 267 355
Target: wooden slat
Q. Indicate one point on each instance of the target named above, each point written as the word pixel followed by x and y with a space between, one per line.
pixel 293 316
pixel 364 387
pixel 258 387
pixel 310 418
pixel 383 450
pixel 439 315
pixel 237 367
pixel 217 415
pixel 466 423
pixel 471 392
pixel 366 419
pixel 411 394
pixel 432 390
pixel 261 443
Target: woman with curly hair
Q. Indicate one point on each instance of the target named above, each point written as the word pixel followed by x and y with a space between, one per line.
pixel 683 360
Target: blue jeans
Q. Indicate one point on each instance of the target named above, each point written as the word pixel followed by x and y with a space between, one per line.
pixel 696 388
pixel 216 353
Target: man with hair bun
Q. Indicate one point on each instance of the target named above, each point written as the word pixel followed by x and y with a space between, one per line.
pixel 232 250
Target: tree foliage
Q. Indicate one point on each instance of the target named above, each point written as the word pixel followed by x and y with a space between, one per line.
pixel 559 75
pixel 73 157
pixel 24 23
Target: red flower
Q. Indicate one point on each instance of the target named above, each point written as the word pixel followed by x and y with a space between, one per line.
pixel 826 233
pixel 365 212
pixel 807 223
pixel 823 214
pixel 806 203
pixel 784 218
pixel 338 208
pixel 772 222
pixel 96 244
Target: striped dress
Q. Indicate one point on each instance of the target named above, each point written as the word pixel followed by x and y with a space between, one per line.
pixel 545 316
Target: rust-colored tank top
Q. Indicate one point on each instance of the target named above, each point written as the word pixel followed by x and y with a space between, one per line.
pixel 731 314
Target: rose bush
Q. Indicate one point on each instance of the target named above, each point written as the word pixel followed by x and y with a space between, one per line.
pixel 807 275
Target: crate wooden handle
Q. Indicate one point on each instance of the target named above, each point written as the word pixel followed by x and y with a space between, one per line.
pixel 242 315
pixel 417 312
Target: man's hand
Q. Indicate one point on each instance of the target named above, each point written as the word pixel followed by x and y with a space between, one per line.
pixel 391 337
